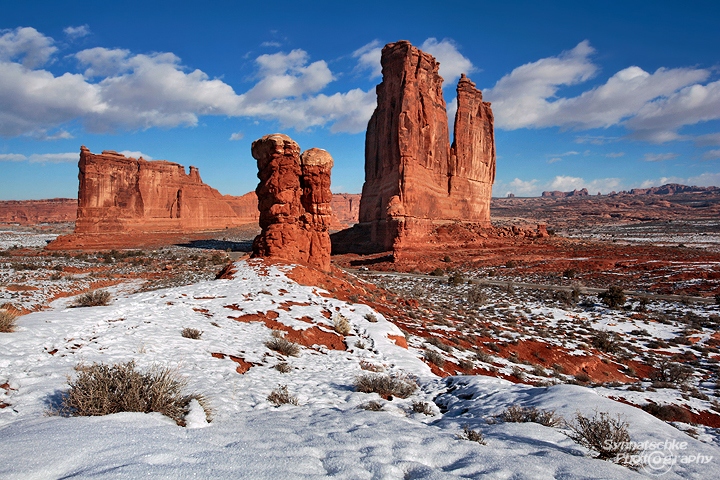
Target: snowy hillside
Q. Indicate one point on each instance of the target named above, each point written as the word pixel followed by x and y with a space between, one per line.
pixel 325 434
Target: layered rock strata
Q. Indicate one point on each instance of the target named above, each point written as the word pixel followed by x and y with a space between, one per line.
pixel 414 177
pixel 121 198
pixel 294 200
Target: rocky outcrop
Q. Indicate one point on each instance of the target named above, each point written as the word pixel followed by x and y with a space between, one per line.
pixel 34 212
pixel 294 200
pixel 558 194
pixel 413 178
pixel 121 198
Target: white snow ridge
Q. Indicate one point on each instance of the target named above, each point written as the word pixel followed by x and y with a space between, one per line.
pixel 325 435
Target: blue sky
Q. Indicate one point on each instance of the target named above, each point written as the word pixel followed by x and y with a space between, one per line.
pixel 608 96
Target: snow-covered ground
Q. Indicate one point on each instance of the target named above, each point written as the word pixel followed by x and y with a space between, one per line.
pixel 326 434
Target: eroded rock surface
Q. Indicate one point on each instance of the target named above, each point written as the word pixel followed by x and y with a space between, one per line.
pixel 121 198
pixel 414 180
pixel 294 200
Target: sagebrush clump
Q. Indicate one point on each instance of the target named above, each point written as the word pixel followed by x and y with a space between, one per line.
pixel 96 298
pixel 281 396
pixel 101 389
pixel 7 321
pixel 398 385
pixel 520 414
pixel 607 436
pixel 281 345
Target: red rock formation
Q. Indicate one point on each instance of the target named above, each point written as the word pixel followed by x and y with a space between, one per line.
pixel 121 198
pixel 346 209
pixel 575 193
pixel 294 201
pixel 413 179
pixel 33 212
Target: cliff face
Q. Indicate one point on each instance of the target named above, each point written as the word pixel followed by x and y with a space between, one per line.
pixel 294 201
pixel 120 194
pixel 33 212
pixel 413 179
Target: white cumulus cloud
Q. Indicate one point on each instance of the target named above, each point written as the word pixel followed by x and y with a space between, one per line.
pixel 369 58
pixel 77 32
pixel 452 62
pixel 26 44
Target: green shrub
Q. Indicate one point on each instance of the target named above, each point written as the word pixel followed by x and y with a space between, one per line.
pixel 101 389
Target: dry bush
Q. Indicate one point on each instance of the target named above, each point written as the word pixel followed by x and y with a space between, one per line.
pixel 672 373
pixel 668 413
pixel 281 396
pixel 436 342
pixel 372 406
pixel 283 367
pixel 519 414
pixel 386 386
pixel 477 296
pixel 95 298
pixel 472 435
pixel 192 333
pixel 605 341
pixel 281 345
pixel 422 407
pixel 371 367
pixel 605 435
pixel 434 357
pixel 7 321
pixel 101 389
pixel 341 324
pixel 613 297
pixel 370 317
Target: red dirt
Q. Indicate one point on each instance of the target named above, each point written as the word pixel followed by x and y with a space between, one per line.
pixel 243 366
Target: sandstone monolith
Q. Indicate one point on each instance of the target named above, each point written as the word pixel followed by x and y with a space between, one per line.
pixel 414 179
pixel 294 200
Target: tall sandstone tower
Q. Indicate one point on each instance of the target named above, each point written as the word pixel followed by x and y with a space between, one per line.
pixel 414 178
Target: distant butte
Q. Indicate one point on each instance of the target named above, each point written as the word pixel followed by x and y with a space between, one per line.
pixel 415 179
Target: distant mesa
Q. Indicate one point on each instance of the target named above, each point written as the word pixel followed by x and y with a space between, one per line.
pixel 124 202
pixel 415 179
pixel 294 200
pixel 35 212
pixel 575 193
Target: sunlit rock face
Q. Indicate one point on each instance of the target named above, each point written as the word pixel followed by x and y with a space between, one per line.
pixel 294 200
pixel 414 177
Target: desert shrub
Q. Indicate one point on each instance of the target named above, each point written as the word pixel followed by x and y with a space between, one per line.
pixel 438 272
pixel 613 297
pixel 472 435
pixel 341 324
pixel 386 386
pixel 434 357
pixel 582 377
pixel 477 296
pixel 281 396
pixel 605 435
pixel 371 367
pixel 605 341
pixel 95 298
pixel 456 279
pixel 422 407
pixel 447 259
pixel 570 273
pixel 717 299
pixel 370 317
pixel 101 389
pixel 7 321
pixel 372 405
pixel 668 413
pixel 483 357
pixel 671 372
pixel 192 333
pixel 281 345
pixel 519 414
pixel 283 367
pixel 434 341
pixel 466 364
